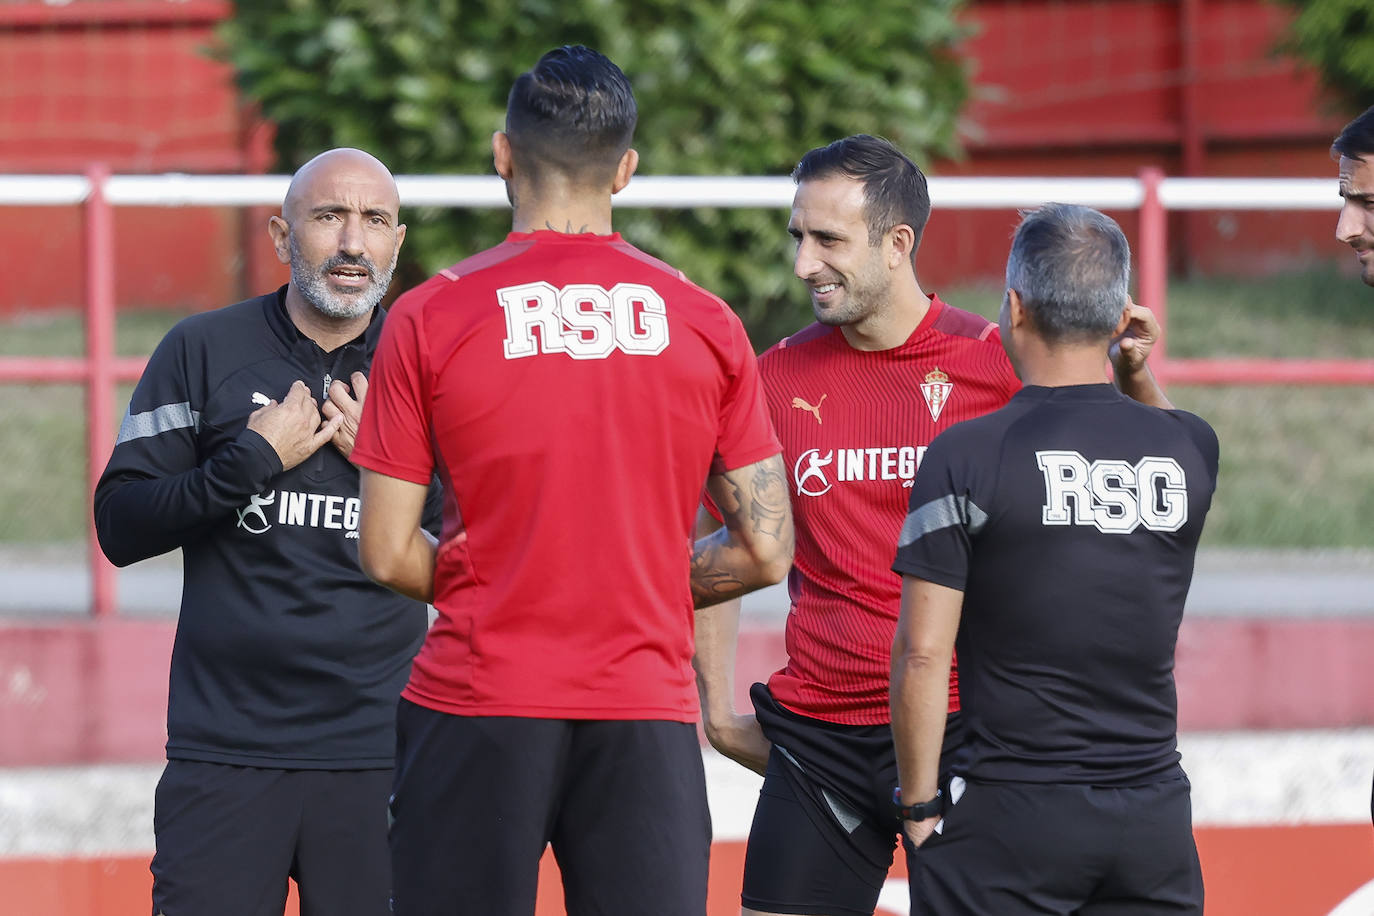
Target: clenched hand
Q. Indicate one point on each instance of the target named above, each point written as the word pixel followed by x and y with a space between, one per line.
pixel 349 406
pixel 293 427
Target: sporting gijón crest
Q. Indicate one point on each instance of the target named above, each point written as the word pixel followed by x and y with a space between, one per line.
pixel 936 390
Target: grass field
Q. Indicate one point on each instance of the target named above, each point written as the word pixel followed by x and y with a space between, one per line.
pixel 1297 463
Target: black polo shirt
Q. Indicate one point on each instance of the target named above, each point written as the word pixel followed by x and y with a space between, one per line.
pixel 1069 519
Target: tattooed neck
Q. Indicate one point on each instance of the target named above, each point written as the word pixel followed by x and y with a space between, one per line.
pixel 568 228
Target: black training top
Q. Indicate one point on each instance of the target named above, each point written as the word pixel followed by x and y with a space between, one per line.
pixel 286 655
pixel 1070 519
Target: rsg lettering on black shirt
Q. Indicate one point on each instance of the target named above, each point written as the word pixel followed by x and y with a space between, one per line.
pixel 1070 520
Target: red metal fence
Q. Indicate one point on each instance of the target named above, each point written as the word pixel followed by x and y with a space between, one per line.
pixel 1151 195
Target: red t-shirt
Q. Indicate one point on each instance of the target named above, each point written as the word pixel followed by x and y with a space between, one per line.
pixel 854 425
pixel 573 393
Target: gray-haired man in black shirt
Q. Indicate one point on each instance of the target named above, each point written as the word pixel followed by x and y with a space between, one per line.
pixel 1053 541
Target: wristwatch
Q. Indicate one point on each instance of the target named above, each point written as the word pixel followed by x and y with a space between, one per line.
pixel 920 811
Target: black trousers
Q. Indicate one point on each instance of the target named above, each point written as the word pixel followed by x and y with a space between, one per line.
pixel 228 837
pixel 1027 848
pixel 825 826
pixel 477 800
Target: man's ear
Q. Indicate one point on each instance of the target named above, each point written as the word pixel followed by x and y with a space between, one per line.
pixel 501 154
pixel 1125 321
pixel 281 238
pixel 629 161
pixel 1016 311
pixel 903 247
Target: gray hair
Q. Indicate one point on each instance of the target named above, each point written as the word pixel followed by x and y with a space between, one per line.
pixel 1070 265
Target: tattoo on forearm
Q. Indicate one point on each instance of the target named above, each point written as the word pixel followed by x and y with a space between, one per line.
pixel 754 504
pixel 768 501
pixel 710 580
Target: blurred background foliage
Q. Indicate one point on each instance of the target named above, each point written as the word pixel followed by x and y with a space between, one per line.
pixel 1337 37
pixel 724 87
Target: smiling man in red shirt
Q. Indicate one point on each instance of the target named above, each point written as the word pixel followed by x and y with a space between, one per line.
pixel 855 398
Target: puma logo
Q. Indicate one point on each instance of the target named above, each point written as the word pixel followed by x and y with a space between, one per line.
pixel 814 410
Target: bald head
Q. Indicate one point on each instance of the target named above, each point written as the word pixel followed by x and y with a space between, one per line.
pixel 340 231
pixel 321 174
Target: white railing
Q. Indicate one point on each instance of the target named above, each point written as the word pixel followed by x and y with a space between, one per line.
pixel 1150 194
pixel 488 192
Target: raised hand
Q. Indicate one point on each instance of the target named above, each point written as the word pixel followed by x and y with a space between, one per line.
pixel 1130 350
pixel 292 427
pixel 1128 353
pixel 349 406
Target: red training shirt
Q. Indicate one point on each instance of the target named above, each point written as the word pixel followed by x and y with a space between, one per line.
pixel 573 393
pixel 854 425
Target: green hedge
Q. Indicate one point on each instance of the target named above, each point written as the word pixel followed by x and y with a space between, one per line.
pixel 729 87
pixel 1337 37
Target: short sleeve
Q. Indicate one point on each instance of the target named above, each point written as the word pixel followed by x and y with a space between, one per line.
pixel 745 432
pixel 394 434
pixel 1205 438
pixel 935 542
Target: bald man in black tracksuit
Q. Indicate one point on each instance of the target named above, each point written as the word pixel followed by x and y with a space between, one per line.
pixel 288 661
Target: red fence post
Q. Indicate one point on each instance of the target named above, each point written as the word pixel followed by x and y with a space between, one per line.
pixel 100 375
pixel 1153 260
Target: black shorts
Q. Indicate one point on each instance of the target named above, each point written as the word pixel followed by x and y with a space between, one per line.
pixel 477 799
pixel 1033 848
pixel 825 826
pixel 228 837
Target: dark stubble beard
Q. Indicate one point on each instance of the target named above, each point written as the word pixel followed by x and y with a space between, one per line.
pixel 868 295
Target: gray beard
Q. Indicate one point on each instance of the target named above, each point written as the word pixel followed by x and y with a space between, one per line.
pixel 313 286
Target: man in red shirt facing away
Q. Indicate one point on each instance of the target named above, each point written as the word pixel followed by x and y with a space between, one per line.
pixel 855 398
pixel 573 393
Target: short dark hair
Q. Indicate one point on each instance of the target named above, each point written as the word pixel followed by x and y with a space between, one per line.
pixel 895 190
pixel 1356 139
pixel 573 113
pixel 1071 266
